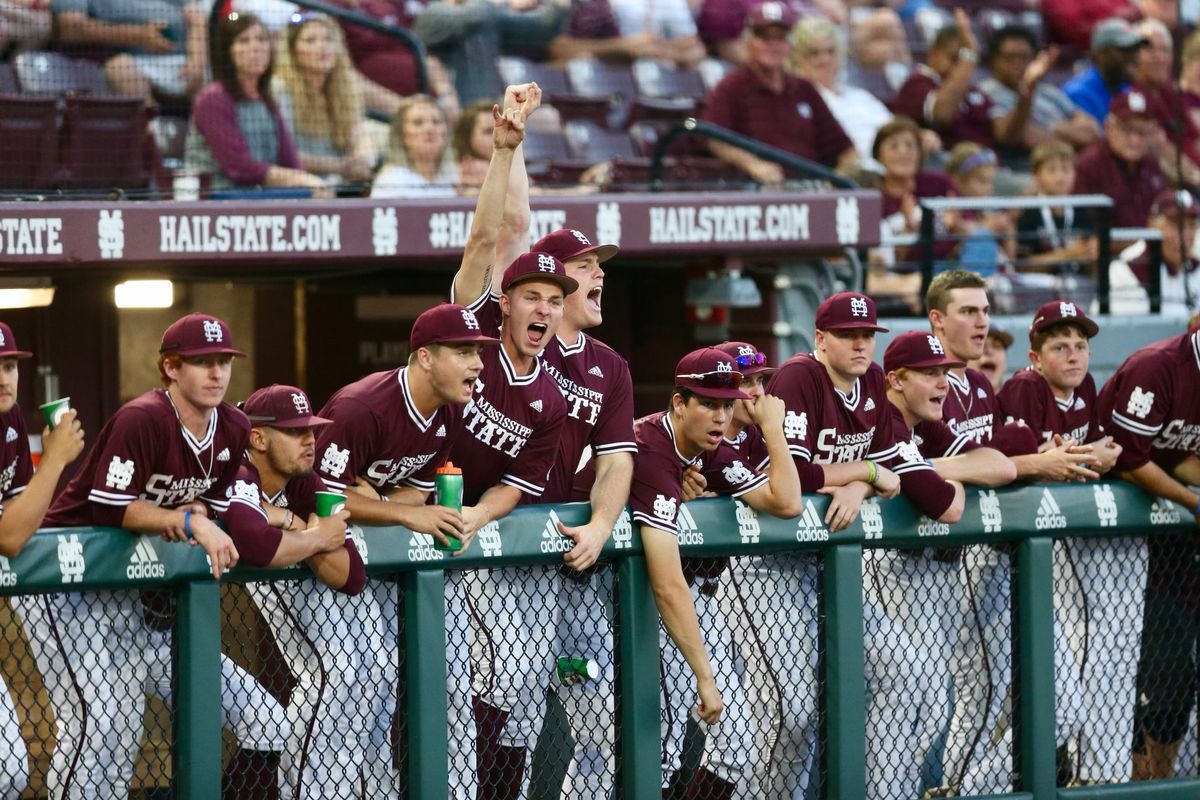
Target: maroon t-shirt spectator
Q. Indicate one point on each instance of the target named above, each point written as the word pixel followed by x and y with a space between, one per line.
pixel 144 453
pixel 382 58
pixel 1070 22
pixel 378 434
pixel 826 426
pixel 657 488
pixel 796 119
pixel 1026 398
pixel 973 122
pixel 1132 188
pixel 721 20
pixel 592 19
pixel 257 541
pixel 15 459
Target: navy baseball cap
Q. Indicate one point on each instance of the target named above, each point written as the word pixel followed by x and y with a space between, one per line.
pixel 281 406
pixel 537 267
pixel 710 372
pixel 8 344
pixel 847 311
pixel 1059 311
pixel 749 360
pixel 198 335
pixel 917 350
pixel 449 323
pixel 567 243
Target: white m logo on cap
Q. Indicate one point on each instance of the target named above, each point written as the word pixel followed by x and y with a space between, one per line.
pixel 858 307
pixel 546 263
pixel 301 403
pixel 1067 310
pixel 772 11
pixel 582 239
pixel 935 346
pixel 212 331
pixel 469 320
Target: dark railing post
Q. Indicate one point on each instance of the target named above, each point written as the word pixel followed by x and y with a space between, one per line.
pixel 197 669
pixel 1034 743
pixel 637 682
pixel 844 672
pixel 928 218
pixel 424 604
pixel 1103 256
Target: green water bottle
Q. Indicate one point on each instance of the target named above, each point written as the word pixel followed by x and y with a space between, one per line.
pixel 576 670
pixel 449 482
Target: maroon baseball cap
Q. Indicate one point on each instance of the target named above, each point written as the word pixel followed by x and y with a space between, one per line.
pixel 773 12
pixel 847 310
pixel 917 350
pixel 280 406
pixel 1175 202
pixel 747 358
pixel 1129 104
pixel 198 335
pixel 1059 311
pixel 710 372
pixel 445 324
pixel 8 344
pixel 568 243
pixel 537 267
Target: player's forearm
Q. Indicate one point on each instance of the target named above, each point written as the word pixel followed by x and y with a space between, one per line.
pixel 495 503
pixel 782 497
pixel 842 474
pixel 294 547
pixel 512 239
pixel 143 517
pixel 1187 471
pixel 23 513
pixel 983 466
pixel 369 511
pixel 474 275
pixel 332 568
pixel 678 612
pixel 1153 479
pixel 610 490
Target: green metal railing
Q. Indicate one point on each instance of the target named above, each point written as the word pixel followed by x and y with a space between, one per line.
pixel 86 559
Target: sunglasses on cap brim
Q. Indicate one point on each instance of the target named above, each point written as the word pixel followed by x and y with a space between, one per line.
pixel 755 360
pixel 714 380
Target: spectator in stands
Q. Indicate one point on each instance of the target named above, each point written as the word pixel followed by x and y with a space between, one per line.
pixel 472 144
pixel 1153 75
pixel 878 40
pixel 1055 238
pixel 1010 51
pixel 720 22
pixel 319 98
pixel 762 101
pixel 1189 79
pixel 940 94
pixel 1067 22
pixel 24 24
pixel 818 55
pixel 1173 215
pixel 1115 46
pixel 1120 165
pixel 237 133
pixel 994 361
pixel 987 236
pixel 387 66
pixel 163 44
pixel 630 29
pixel 468 35
pixel 419 164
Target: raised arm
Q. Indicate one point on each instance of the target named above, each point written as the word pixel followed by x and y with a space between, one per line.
pixel 781 494
pixel 513 237
pixel 23 514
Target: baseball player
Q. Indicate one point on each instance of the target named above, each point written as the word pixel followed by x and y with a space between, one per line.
pixel 754 434
pixel 843 435
pixel 24 497
pixel 390 431
pixel 162 465
pixel 1149 407
pixel 976 758
pixel 919 589
pixel 272 522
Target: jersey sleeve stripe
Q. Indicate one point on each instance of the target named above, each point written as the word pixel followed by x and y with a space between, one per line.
pixel 905 467
pixel 800 452
pixel 654 522
pixel 884 455
pixel 957 445
pixel 614 447
pixel 1136 427
pixel 424 486
pixel 761 480
pixel 110 499
pixel 334 486
pixel 245 502
pixel 531 489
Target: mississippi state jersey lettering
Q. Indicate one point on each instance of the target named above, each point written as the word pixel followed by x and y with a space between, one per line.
pixel 510 429
pixel 144 453
pixel 657 489
pixel 1026 398
pixel 598 391
pixel 378 434
pixel 16 462
pixel 970 408
pixel 1151 404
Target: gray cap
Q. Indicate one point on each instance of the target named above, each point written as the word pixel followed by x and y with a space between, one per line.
pixel 1115 32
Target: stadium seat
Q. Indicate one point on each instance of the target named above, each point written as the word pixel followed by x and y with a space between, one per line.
pixel 41 72
pixel 593 78
pixel 105 142
pixel 661 80
pixel 542 147
pixel 712 70
pixel 646 133
pixel 662 110
pixel 8 79
pixel 577 107
pixel 592 143
pixel 28 141
pixel 514 69
pixel 170 135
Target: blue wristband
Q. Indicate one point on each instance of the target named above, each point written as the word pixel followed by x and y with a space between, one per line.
pixel 187 524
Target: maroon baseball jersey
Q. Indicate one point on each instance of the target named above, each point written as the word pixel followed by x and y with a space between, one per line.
pixel 1151 404
pixel 823 425
pixel 510 429
pixel 657 488
pixel 749 442
pixel 256 540
pixel 486 309
pixel 971 407
pixel 1132 188
pixel 378 434
pixel 935 439
pixel 972 123
pixel 1026 398
pixel 145 453
pixel 795 119
pixel 16 462
pixel 598 390
pixel 729 472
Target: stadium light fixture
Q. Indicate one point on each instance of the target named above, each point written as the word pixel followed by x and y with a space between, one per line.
pixel 26 293
pixel 144 294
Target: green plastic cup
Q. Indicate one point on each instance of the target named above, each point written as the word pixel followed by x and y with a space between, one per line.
pixel 54 410
pixel 329 503
pixel 576 670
